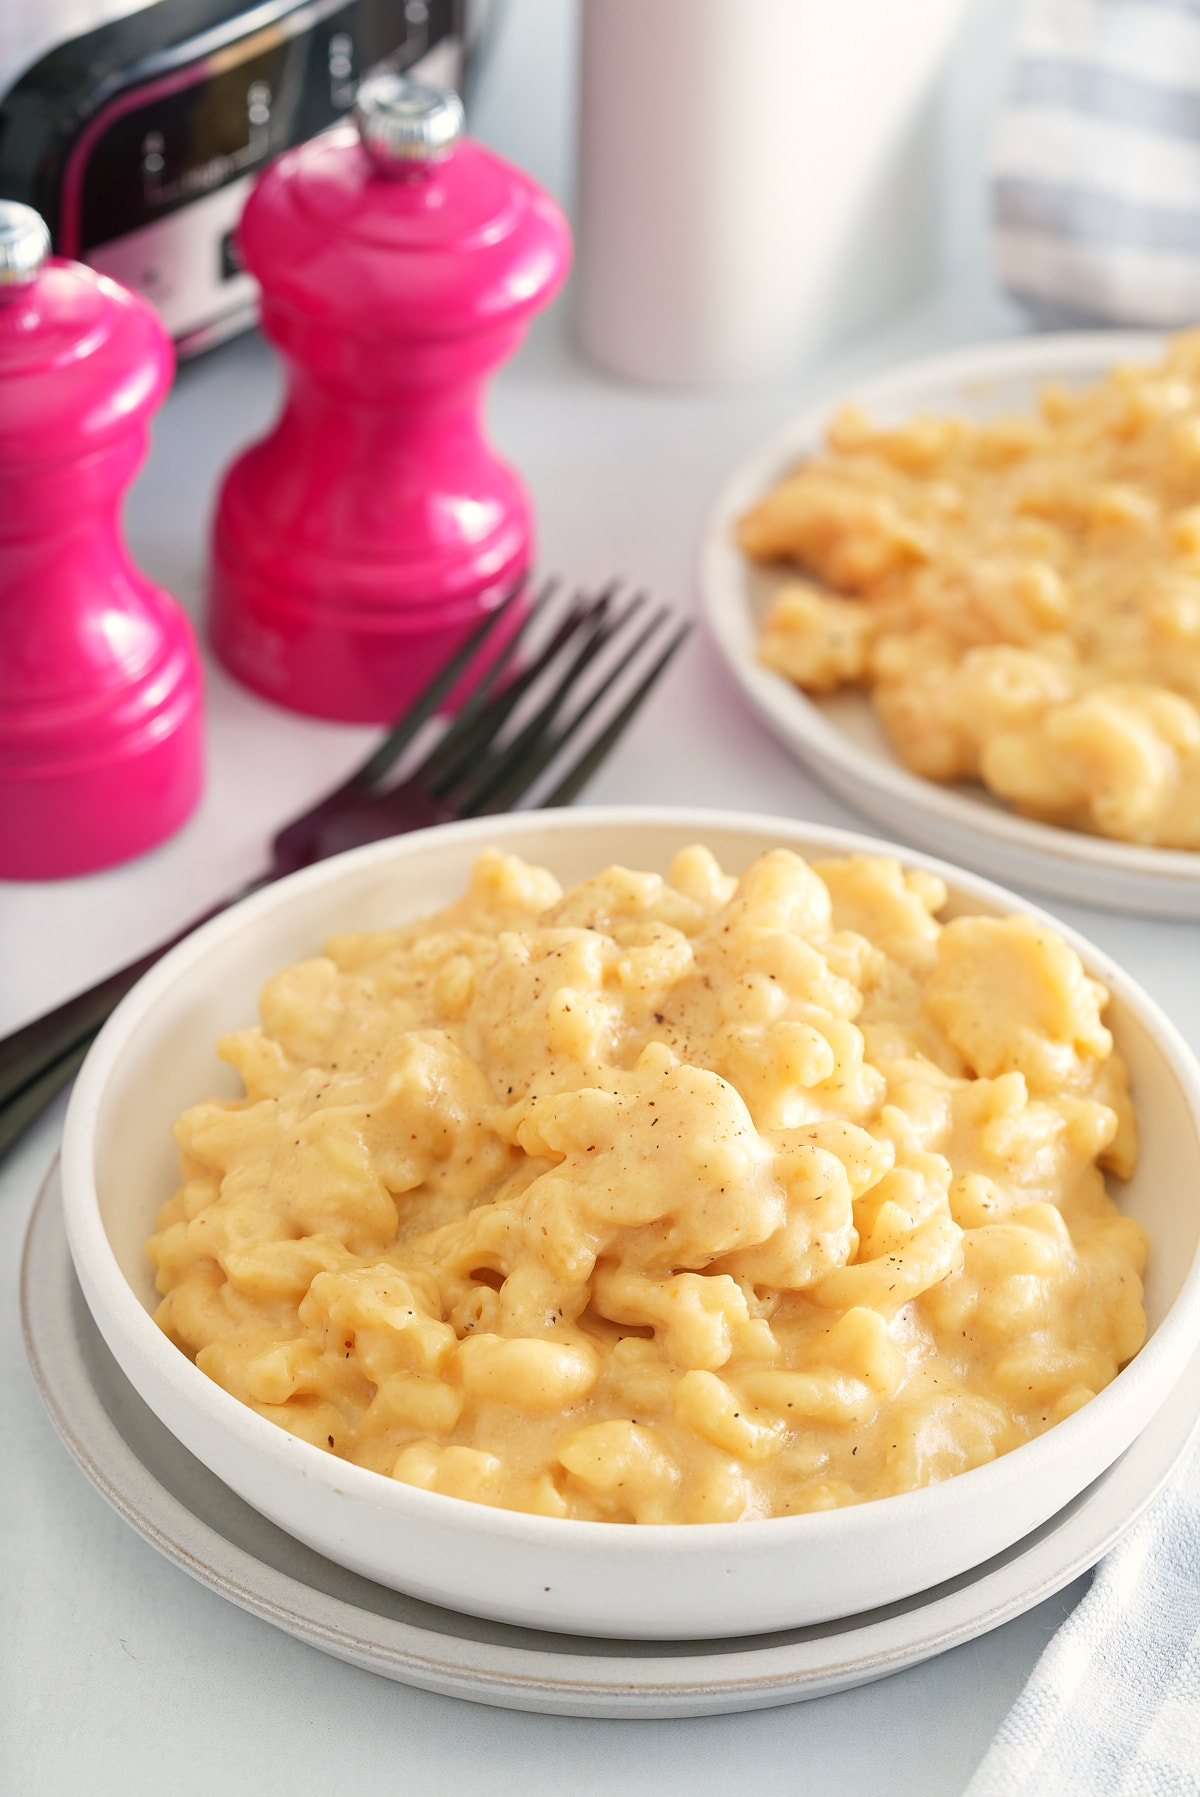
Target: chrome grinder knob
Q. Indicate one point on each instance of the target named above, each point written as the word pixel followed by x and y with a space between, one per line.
pixel 24 245
pixel 402 122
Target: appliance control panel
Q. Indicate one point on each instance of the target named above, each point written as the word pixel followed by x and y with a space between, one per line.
pixel 141 166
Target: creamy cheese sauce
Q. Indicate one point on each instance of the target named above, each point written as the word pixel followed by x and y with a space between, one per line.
pixel 666 1201
pixel 1021 596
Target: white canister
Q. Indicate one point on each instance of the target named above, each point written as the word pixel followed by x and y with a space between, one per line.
pixel 756 177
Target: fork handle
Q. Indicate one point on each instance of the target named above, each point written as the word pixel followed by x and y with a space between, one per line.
pixel 30 1054
pixel 30 1051
pixel 29 1103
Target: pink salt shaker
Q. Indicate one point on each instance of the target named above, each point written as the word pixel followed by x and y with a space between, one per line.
pixel 360 541
pixel 100 724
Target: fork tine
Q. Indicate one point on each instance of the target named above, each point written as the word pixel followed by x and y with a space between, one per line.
pixel 574 782
pixel 481 701
pixel 590 622
pixel 469 734
pixel 397 739
pixel 515 772
pixel 516 775
pixel 509 771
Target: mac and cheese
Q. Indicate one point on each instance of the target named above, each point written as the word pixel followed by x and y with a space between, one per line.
pixel 666 1200
pixel 1021 596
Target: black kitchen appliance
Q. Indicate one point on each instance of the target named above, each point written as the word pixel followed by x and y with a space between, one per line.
pixel 138 140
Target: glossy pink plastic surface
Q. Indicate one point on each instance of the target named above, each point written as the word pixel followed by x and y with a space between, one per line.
pixel 100 722
pixel 363 538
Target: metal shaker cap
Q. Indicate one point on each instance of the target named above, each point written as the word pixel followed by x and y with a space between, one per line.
pixel 24 245
pixel 402 122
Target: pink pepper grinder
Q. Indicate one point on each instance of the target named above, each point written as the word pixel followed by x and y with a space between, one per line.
pixel 360 541
pixel 100 724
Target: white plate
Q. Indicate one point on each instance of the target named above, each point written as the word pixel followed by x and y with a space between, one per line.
pixel 181 1509
pixel 840 738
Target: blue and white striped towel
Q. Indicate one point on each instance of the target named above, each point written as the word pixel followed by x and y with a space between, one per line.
pixel 1096 162
pixel 1112 1708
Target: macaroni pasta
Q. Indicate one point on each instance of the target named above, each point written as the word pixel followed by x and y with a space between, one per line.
pixel 666 1200
pixel 1022 596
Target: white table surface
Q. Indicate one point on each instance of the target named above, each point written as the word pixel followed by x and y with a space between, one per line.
pixel 118 1674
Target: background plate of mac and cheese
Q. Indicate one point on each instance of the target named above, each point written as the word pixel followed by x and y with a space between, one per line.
pixel 839 735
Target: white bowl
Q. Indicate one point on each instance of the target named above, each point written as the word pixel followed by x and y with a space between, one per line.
pixel 155 1057
pixel 840 737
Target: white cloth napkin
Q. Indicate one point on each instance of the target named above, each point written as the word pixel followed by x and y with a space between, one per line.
pixel 1095 171
pixel 1112 1708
